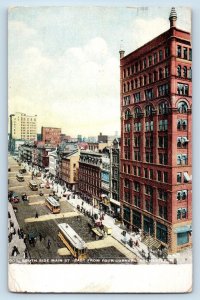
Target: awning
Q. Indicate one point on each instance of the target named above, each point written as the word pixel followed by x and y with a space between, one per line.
pixel 115 202
pixel 182 229
pixel 186 176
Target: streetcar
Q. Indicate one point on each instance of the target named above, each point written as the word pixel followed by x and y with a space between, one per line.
pixel 20 177
pixel 33 185
pixel 72 241
pixel 52 204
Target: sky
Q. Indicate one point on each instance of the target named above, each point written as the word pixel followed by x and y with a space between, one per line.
pixel 63 62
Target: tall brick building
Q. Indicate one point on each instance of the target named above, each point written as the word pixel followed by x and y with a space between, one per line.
pixel 156 147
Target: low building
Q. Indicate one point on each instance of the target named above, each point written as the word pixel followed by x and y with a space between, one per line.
pixel 53 163
pixel 51 135
pixel 69 170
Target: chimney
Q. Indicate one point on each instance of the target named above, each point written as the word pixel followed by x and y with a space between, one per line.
pixel 173 17
pixel 121 53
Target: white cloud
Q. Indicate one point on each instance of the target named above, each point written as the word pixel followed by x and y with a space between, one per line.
pixel 73 90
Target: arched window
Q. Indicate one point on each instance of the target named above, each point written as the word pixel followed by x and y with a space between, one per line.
pixel 137 112
pixel 148 110
pixel 185 72
pixel 128 86
pixel 163 108
pixel 182 107
pixel 179 71
pixel 127 114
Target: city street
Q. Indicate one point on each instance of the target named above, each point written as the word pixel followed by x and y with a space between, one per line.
pixel 44 227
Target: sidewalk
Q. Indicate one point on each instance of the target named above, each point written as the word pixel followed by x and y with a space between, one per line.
pixel 16 241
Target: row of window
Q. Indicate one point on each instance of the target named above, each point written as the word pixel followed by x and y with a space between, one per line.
pixel 184 52
pixel 162 126
pixel 146 79
pixel 146 62
pixel 184 72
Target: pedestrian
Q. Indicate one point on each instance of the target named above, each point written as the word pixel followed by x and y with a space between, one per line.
pixel 36 215
pixel 26 254
pixel 18 232
pixel 15 251
pixel 25 238
pixel 149 257
pixel 48 244
pixel 9 216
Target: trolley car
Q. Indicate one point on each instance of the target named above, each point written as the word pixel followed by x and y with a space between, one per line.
pixel 53 205
pixel 33 185
pixel 20 177
pixel 72 241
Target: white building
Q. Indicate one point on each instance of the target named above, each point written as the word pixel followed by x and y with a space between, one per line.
pixel 53 162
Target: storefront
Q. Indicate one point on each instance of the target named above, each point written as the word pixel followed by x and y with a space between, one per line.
pixel 183 234
pixel 162 233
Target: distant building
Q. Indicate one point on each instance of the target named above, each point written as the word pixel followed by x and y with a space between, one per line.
pixel 98 146
pixel 102 138
pixel 79 138
pixel 51 135
pixel 23 127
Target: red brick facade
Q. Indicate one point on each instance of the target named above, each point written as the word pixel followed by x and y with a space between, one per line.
pixel 51 135
pixel 156 138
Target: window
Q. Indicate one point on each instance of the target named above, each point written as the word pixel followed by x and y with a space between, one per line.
pixel 151 174
pixel 182 124
pixel 148 110
pixel 137 155
pixel 127 154
pixel 149 94
pixel 150 60
pixel 182 238
pixel 155 58
pixel 181 213
pixel 167 52
pixel 160 55
pixel 148 190
pixel 149 142
pixel 144 63
pixel 136 67
pixel 127 197
pixel 179 71
pixel 149 205
pixel 149 157
pixel 137 141
pixel 137 127
pixel 165 176
pixel 190 73
pixel 135 170
pixel 182 142
pixel 163 212
pixel 163 90
pixel 127 114
pixel 159 175
pixel 182 195
pixel 127 100
pixel 139 171
pixel 182 107
pixel 136 97
pixel 140 81
pixel 127 127
pixel 137 200
pixel 163 125
pixel 160 74
pixel 163 108
pixel 127 183
pixel 166 71
pixel 149 126
pixel 190 54
pixel 183 89
pixel 127 141
pixel 179 51
pixel 136 186
pixel 185 53
pixel 161 232
pixel 145 79
pixel 155 76
pixel 145 173
pixel 163 141
pixel 179 177
pixel 185 72
pixel 150 78
pixel 163 158
pixel 162 194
